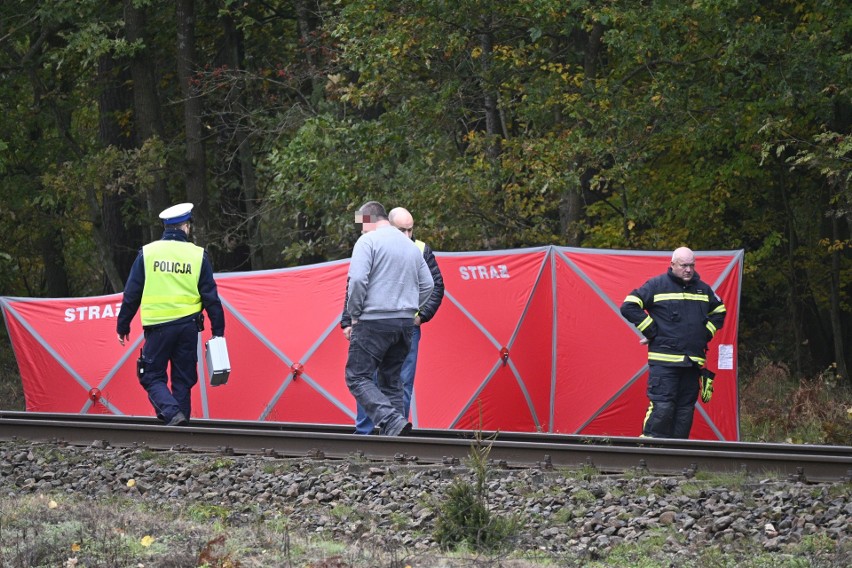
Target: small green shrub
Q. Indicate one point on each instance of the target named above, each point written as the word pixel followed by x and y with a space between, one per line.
pixel 583 496
pixel 464 518
pixel 204 512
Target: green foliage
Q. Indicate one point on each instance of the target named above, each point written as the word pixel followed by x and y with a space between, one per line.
pixel 206 512
pixel 220 463
pixel 584 496
pixel 642 554
pixel 717 125
pixel 428 61
pixel 463 516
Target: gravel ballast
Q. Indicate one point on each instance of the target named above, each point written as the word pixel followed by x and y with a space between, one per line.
pixel 563 517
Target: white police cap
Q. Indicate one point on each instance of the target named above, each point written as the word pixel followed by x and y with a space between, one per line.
pixel 177 214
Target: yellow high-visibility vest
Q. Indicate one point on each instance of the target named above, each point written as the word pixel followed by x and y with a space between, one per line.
pixel 172 270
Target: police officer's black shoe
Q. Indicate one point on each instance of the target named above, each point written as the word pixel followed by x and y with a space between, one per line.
pixel 178 420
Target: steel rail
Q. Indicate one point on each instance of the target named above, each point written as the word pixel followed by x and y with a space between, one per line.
pixel 506 449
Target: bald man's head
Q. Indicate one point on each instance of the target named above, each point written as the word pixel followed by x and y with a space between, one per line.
pixel 683 263
pixel 400 218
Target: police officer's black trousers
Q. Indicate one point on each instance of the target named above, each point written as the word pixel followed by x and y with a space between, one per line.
pixel 672 392
pixel 174 344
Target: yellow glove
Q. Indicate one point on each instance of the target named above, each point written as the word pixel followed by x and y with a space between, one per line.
pixel 705 385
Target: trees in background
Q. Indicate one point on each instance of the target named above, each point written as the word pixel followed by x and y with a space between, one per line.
pixel 717 124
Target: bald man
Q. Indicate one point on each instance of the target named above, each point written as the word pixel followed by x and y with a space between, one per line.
pixel 677 315
pixel 402 219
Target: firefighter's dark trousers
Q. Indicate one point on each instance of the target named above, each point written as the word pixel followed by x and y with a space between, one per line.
pixel 672 392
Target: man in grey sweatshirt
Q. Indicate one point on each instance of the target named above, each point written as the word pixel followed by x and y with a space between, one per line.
pixel 389 281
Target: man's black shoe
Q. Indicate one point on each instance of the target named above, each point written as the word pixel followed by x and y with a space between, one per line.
pixel 406 430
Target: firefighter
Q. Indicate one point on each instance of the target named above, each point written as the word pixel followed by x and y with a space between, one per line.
pixel 678 315
pixel 172 280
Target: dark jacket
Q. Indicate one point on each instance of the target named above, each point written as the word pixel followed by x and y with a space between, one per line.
pixel 206 288
pixel 431 306
pixel 678 318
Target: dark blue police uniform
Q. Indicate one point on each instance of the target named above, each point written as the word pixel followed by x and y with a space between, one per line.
pixel 172 342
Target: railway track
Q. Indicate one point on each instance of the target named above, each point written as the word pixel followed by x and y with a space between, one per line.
pixel 806 463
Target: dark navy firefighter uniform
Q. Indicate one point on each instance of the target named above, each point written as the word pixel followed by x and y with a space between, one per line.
pixel 172 280
pixel 679 319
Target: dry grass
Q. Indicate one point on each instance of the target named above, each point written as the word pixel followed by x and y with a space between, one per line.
pixel 63 531
pixel 11 390
pixel 775 407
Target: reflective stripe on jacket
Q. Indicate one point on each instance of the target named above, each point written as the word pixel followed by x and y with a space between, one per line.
pixel 172 270
pixel 678 318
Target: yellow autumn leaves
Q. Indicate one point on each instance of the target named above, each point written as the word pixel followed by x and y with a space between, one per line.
pixel 145 541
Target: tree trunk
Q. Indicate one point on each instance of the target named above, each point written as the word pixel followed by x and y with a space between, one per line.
pixel 570 213
pixel 195 172
pixel 303 21
pixel 146 105
pixel 493 128
pixel 55 271
pixel 571 207
pixel 793 275
pixel 836 322
pixel 47 233
pixel 97 215
pixel 248 203
pixel 492 112
pixel 105 232
pixel 114 100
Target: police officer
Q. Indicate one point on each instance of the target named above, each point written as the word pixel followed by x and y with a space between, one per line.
pixel 678 315
pixel 172 280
